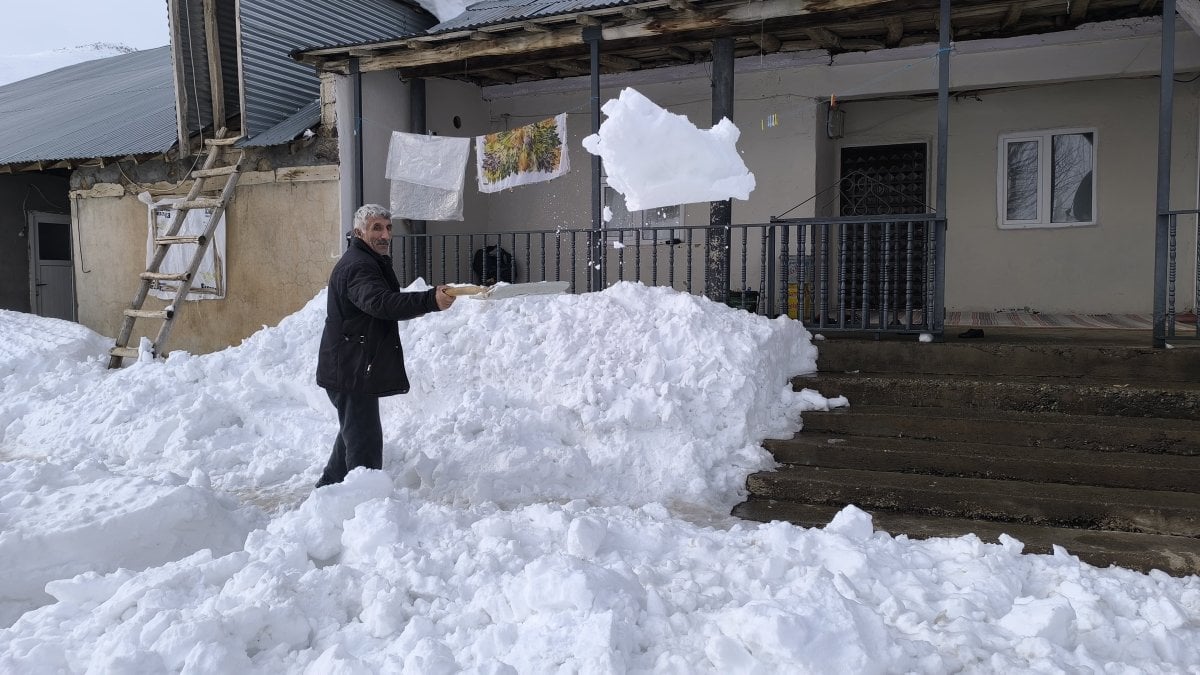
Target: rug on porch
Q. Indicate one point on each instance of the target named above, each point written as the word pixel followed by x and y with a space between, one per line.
pixel 1041 320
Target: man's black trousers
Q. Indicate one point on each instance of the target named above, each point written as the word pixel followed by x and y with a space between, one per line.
pixel 359 441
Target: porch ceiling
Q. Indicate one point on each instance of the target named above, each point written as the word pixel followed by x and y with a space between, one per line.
pixel 659 33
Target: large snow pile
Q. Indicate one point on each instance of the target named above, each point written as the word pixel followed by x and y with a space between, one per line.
pixel 552 501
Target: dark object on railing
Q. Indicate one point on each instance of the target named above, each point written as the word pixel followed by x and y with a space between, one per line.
pixel 747 300
pixel 491 264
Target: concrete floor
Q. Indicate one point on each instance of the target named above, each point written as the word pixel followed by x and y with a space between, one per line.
pixel 1045 336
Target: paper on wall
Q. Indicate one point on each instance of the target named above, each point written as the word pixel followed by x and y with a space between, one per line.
pixel 209 281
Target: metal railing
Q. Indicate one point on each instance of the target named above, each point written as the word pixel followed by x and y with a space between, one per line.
pixel 1165 326
pixel 874 274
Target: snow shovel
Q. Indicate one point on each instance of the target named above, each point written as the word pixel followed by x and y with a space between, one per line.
pixel 500 291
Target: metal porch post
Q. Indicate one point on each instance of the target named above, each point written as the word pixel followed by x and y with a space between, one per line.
pixel 720 214
pixel 1162 221
pixel 592 35
pixel 356 102
pixel 937 324
pixel 417 125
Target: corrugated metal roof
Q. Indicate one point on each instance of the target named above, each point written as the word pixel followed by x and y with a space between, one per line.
pixel 276 87
pixel 491 12
pixel 121 105
pixel 305 118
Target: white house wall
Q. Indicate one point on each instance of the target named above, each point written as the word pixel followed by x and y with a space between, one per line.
pixel 1106 267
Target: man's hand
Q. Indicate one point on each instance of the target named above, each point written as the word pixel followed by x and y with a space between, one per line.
pixel 444 299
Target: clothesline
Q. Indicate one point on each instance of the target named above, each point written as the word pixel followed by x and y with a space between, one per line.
pixel 427 172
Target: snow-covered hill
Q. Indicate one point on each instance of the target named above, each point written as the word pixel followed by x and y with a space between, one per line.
pixel 16 67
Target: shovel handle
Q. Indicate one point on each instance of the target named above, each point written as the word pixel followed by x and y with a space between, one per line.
pixel 465 290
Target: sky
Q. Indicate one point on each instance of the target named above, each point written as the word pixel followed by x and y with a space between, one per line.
pixel 31 27
pixel 554 498
pixel 37 38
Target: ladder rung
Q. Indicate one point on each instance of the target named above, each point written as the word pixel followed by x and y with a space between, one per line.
pixel 164 276
pixel 149 313
pixel 228 140
pixel 201 203
pixel 180 239
pixel 201 290
pixel 124 352
pixel 212 173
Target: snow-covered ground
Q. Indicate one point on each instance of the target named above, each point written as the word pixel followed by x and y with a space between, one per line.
pixel 554 499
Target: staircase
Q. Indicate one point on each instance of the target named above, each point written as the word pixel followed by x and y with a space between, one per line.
pixel 1091 446
pixel 201 196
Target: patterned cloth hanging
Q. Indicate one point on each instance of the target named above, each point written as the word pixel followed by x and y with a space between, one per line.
pixel 530 154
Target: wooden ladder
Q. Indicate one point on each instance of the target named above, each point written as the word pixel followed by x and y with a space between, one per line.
pixel 194 200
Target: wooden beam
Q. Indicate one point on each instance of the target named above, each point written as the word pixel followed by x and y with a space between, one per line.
pixel 681 54
pixel 531 27
pixel 480 36
pixel 1190 11
pixel 633 13
pixel 587 20
pixel 571 67
pixel 1079 9
pixel 824 37
pixel 619 62
pixel 536 69
pixel 767 43
pixel 417 45
pixel 177 51
pixel 499 75
pixel 216 81
pixel 1013 15
pixel 519 46
pixel 895 31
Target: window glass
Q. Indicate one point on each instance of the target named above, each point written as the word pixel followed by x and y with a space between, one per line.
pixel 54 241
pixel 1071 178
pixel 1022 181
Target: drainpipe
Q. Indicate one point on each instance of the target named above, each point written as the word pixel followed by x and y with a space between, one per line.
pixel 592 34
pixel 720 214
pixel 1162 222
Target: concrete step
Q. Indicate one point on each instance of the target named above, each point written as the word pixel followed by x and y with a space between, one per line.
pixel 1142 552
pixel 1086 507
pixel 1133 470
pixel 1071 359
pixel 1029 429
pixel 1176 400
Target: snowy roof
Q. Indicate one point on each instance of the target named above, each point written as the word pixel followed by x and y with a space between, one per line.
pixel 113 107
pixel 490 12
pixel 288 129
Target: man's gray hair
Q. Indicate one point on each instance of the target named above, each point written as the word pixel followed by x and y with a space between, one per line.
pixel 367 212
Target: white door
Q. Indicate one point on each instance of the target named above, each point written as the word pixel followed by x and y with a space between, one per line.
pixel 52 270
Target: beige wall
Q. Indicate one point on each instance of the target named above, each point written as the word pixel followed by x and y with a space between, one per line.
pixel 280 238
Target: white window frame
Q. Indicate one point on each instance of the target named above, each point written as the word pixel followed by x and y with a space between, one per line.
pixel 646 235
pixel 1044 140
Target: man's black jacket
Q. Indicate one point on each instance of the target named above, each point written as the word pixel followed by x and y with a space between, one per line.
pixel 360 347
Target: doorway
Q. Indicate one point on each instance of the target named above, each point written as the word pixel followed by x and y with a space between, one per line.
pixel 51 268
pixel 882 180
